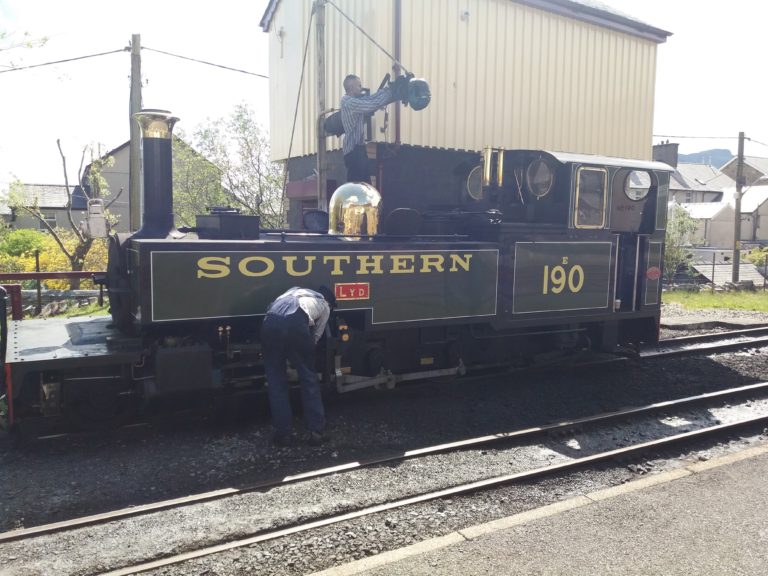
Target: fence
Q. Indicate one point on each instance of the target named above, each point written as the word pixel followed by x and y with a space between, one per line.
pixel 15 289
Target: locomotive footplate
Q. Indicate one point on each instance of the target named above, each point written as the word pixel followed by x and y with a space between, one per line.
pixel 69 341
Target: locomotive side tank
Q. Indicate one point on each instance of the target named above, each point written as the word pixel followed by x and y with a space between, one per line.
pixel 541 252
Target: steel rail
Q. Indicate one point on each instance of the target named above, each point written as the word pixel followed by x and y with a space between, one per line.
pixel 426 497
pixel 104 517
pixel 716 335
pixel 707 343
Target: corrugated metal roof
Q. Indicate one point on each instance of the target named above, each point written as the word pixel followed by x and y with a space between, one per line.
pixel 724 273
pixel 600 14
pixel 589 10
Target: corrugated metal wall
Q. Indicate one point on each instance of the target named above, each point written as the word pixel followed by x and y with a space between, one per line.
pixel 347 52
pixel 501 74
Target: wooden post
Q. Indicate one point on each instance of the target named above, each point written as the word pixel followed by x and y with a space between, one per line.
pixel 737 209
pixel 134 167
pixel 39 305
pixel 321 159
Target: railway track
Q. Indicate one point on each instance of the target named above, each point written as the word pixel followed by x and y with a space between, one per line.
pixel 435 495
pixel 707 343
pixel 484 441
pixel 667 348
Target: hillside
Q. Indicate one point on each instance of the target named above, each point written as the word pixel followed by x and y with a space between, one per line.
pixel 715 157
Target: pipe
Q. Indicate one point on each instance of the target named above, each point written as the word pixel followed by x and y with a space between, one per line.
pixel 4 348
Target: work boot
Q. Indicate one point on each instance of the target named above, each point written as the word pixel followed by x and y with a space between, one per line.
pixel 282 440
pixel 316 438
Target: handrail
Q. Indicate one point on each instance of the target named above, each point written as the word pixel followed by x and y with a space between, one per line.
pixel 45 275
pixel 16 291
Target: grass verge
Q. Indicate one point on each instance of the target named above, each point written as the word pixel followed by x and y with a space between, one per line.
pixel 754 301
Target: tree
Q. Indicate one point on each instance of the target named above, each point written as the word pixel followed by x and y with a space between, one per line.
pixel 21 242
pixel 239 148
pixel 680 227
pixel 11 41
pixel 196 183
pixel 76 247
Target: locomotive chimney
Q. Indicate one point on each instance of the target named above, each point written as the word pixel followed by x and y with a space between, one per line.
pixel 157 196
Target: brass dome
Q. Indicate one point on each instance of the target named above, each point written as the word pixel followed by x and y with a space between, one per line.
pixel 354 210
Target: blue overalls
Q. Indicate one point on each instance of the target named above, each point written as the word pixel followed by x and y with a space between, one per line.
pixel 285 336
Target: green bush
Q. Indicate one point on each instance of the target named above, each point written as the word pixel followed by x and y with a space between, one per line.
pixel 22 242
pixel 758 256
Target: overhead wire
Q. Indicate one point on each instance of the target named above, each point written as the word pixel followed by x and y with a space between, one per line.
pixel 204 62
pixel 698 137
pixel 16 69
pixel 364 33
pixel 757 142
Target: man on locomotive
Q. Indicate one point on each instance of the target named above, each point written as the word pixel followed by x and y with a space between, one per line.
pixel 354 107
pixel 294 323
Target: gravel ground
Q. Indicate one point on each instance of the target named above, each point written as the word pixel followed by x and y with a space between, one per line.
pixel 72 476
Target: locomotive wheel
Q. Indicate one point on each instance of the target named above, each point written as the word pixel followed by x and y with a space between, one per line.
pixel 98 405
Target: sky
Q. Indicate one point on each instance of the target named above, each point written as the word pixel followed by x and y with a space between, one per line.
pixel 87 101
pixel 709 76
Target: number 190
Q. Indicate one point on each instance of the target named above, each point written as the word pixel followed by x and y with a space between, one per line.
pixel 558 279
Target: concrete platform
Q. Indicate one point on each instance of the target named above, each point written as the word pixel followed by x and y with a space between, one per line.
pixel 708 518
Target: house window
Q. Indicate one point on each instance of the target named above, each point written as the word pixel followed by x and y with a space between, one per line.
pixel 688 197
pixel 49 217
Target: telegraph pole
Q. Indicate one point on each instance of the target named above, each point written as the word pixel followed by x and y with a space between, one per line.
pixel 320 47
pixel 134 168
pixel 737 209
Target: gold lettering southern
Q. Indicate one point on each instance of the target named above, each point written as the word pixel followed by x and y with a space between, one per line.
pixel 256 266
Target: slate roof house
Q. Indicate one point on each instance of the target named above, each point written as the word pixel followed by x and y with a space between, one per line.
pixel 691 183
pixel 716 219
pixel 51 200
pixel 755 169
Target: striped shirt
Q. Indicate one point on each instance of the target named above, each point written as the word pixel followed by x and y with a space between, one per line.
pixel 353 111
pixel 314 305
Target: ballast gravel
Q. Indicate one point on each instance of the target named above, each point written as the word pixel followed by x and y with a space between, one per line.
pixel 75 475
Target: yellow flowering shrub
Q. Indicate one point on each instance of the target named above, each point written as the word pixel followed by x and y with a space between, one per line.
pixel 52 259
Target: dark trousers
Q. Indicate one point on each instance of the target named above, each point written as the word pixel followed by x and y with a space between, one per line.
pixel 357 165
pixel 287 338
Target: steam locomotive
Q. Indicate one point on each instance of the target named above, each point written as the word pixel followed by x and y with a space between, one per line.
pixel 466 261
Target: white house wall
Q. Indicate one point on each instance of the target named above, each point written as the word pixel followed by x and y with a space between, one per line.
pixel 761 230
pixel 721 229
pixel 501 74
pixel 117 180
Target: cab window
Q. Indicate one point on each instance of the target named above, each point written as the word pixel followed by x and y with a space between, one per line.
pixel 591 188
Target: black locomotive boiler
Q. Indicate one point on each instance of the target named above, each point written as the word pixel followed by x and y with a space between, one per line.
pixel 522 253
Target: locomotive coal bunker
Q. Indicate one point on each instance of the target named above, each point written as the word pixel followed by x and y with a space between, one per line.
pixel 468 261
